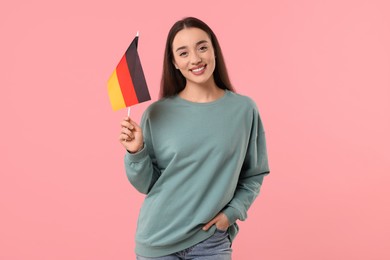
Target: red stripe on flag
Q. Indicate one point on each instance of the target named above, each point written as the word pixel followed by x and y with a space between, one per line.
pixel 126 83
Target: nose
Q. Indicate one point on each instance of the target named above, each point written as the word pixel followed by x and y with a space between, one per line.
pixel 195 58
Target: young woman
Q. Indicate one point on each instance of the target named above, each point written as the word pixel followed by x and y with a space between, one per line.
pixel 199 153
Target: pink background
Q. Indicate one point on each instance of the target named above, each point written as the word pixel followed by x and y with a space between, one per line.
pixel 318 70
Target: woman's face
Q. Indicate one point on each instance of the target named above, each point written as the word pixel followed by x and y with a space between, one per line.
pixel 194 56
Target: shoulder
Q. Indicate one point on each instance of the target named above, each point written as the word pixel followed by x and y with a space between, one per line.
pixel 250 111
pixel 158 107
pixel 243 101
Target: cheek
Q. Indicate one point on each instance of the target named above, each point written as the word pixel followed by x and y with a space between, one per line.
pixel 180 64
pixel 211 58
pixel 212 62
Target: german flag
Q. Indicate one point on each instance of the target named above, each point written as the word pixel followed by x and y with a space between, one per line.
pixel 127 84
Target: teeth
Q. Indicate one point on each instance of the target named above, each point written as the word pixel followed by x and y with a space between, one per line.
pixel 199 69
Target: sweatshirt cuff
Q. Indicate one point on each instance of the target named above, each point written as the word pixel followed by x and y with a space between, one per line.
pixel 232 214
pixel 138 156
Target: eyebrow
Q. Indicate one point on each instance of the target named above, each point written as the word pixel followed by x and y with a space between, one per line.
pixel 198 43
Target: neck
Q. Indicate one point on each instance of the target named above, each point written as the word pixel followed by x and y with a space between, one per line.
pixel 201 93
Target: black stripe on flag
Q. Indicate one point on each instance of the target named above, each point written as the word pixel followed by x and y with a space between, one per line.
pixel 136 72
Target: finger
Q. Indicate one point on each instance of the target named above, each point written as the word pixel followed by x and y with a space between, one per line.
pixel 127 124
pixel 126 131
pixel 135 125
pixel 208 225
pixel 123 138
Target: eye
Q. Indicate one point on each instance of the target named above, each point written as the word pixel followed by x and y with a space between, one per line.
pixel 203 48
pixel 183 54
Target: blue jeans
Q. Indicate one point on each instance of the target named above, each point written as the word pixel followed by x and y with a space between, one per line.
pixel 216 247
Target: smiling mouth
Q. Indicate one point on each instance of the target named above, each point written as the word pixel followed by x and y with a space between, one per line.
pixel 199 69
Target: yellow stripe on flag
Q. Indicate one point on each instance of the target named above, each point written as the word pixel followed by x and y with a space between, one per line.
pixel 115 93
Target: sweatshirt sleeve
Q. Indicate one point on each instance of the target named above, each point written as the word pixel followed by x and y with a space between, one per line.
pixel 254 168
pixel 141 167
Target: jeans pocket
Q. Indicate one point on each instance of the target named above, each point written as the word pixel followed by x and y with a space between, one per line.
pixel 220 232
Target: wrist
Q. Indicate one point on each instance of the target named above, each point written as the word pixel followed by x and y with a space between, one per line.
pixel 138 156
pixel 137 150
pixel 231 214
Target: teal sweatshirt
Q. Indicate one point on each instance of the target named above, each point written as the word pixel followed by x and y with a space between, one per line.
pixel 199 159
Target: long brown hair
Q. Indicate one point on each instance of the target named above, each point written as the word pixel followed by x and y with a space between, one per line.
pixel 172 81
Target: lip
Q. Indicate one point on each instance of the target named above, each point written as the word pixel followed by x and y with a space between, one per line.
pixel 204 66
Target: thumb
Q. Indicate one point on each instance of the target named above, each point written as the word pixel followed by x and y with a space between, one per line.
pixel 208 225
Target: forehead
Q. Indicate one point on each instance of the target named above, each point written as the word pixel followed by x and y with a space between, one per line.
pixel 189 37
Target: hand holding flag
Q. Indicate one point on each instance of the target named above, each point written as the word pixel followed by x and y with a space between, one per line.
pixel 131 136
